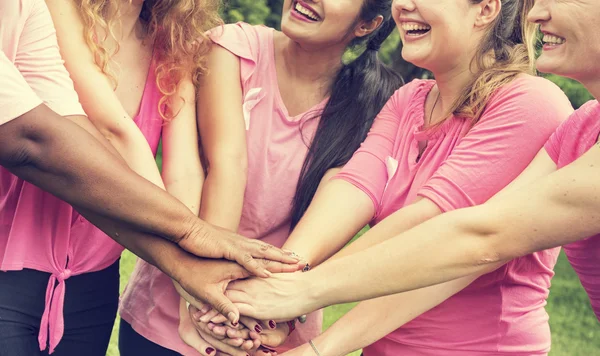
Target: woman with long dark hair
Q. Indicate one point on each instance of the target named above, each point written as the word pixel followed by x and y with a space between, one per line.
pixel 276 112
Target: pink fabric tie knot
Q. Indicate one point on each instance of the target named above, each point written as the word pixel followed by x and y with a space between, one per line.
pixel 64 275
pixel 52 325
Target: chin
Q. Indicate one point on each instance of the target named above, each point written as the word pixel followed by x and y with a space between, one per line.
pixel 549 66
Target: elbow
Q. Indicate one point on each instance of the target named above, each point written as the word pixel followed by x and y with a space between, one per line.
pixel 482 240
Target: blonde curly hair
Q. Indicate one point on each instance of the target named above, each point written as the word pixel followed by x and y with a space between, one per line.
pixel 177 28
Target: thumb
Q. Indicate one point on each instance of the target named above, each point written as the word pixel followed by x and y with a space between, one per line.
pixel 223 305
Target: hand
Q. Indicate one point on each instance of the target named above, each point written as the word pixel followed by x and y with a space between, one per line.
pixel 205 281
pixel 274 267
pixel 281 297
pixel 190 336
pixel 230 346
pixel 209 241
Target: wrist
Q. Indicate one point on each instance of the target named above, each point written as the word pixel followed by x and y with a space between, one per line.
pixel 313 291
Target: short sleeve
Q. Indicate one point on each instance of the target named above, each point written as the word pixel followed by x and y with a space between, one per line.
pixel 584 256
pixel 515 125
pixel 16 97
pixel 243 40
pixel 367 169
pixel 40 63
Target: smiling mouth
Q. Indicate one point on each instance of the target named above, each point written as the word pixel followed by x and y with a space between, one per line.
pixel 305 12
pixel 415 28
pixel 552 40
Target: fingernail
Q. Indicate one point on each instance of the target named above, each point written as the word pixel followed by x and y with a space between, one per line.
pixel 272 324
pixel 258 328
pixel 198 315
pixel 210 350
pixel 231 316
pixel 205 309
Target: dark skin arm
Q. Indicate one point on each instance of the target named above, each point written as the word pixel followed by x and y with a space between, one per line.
pixel 45 149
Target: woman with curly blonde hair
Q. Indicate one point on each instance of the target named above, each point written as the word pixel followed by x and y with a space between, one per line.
pixel 133 64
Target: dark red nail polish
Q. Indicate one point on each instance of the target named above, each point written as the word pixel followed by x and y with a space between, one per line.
pixel 272 324
pixel 210 350
pixel 258 328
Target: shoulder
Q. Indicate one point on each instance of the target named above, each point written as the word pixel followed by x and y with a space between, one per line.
pixel 411 94
pixel 533 97
pixel 242 37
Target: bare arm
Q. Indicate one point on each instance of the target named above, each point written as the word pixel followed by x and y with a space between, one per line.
pixel 223 136
pixel 552 211
pixel 96 93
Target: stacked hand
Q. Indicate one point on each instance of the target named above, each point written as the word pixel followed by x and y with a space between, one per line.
pixel 206 329
pixel 248 337
pixel 206 280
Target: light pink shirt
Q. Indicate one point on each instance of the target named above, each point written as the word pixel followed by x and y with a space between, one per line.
pixel 37 230
pixel 501 312
pixel 276 152
pixel 572 139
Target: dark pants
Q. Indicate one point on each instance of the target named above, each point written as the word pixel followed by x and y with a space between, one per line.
pixel 133 344
pixel 90 308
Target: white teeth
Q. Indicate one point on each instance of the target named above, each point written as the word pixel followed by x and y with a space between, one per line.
pixel 306 12
pixel 551 39
pixel 415 26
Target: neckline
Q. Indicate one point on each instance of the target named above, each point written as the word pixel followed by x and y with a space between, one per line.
pixel 422 133
pixel 149 76
pixel 283 110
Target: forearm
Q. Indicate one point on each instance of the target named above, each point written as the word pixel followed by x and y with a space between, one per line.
pixel 223 197
pixel 373 319
pixel 553 211
pixel 46 150
pixel 397 223
pixel 338 211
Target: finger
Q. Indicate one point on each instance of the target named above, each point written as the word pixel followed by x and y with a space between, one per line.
pixel 219 330
pixel 196 314
pixel 251 264
pixel 265 251
pixel 238 333
pixel 251 324
pixel 208 316
pixel 194 340
pixel 219 319
pixel 278 267
pixel 247 345
pixel 227 345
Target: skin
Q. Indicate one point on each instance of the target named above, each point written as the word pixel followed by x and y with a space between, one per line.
pixel 221 125
pixel 546 208
pixel 51 157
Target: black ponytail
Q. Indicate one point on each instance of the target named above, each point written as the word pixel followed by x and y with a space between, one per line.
pixel 359 92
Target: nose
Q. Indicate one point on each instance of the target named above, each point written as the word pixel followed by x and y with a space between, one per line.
pixel 403 5
pixel 540 12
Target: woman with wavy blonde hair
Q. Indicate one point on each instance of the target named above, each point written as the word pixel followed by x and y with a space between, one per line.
pixel 133 64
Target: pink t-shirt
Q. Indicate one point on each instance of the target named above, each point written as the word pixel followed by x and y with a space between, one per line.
pixel 572 139
pixel 501 312
pixel 37 230
pixel 276 152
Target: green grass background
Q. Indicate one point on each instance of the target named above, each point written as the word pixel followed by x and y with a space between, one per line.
pixel 575 330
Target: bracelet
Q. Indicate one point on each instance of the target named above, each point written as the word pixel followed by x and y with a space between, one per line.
pixel 314 348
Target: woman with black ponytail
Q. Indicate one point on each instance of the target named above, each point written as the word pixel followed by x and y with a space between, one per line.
pixel 437 146
pixel 276 111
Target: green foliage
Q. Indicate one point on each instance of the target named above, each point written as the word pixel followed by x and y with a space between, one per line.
pixel 576 92
pixel 251 11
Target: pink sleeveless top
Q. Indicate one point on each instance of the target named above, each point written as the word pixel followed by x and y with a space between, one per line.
pixel 276 152
pixel 501 313
pixel 37 230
